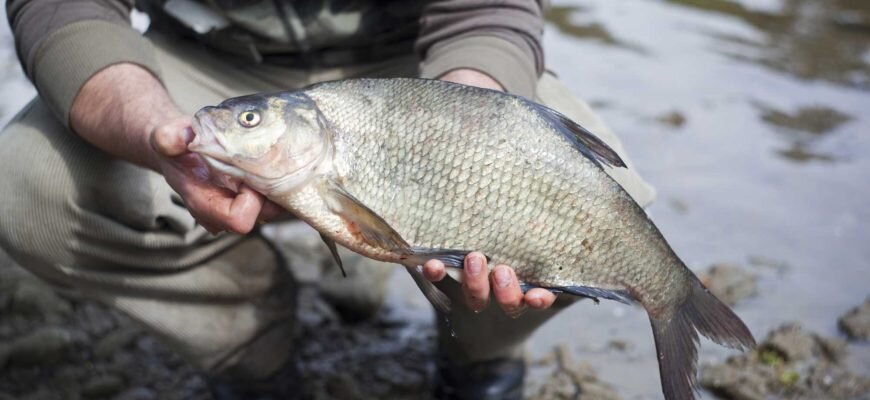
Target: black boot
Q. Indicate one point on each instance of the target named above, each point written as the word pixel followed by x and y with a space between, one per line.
pixel 500 379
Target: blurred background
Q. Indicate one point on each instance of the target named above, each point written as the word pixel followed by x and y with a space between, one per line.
pixel 752 120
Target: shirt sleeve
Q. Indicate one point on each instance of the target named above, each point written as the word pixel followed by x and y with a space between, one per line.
pixel 62 43
pixel 499 38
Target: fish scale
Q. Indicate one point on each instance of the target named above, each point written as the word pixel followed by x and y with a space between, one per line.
pixel 409 142
pixel 406 170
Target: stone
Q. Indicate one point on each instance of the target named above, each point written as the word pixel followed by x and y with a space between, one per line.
pixel 102 386
pixel 33 299
pixel 791 343
pixel 44 345
pixel 137 393
pixel 730 283
pixel 856 322
pixel 115 341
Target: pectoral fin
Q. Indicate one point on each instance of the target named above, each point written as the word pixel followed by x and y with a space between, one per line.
pixel 376 232
pixel 334 250
pixel 370 227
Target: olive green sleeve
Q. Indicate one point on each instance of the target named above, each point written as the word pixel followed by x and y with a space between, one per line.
pixel 62 43
pixel 501 39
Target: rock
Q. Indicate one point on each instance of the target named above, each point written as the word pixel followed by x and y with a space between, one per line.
pixel 102 386
pixel 41 346
pixel 596 390
pixel 42 394
pixel 856 323
pixel 95 319
pixel 342 386
pixel 790 342
pixel 790 363
pixel 33 299
pixel 619 344
pixel 736 382
pixel 673 119
pixel 730 283
pixel 115 341
pixel 4 354
pixel 69 375
pixel 137 393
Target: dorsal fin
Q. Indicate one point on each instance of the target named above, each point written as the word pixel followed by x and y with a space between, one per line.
pixel 584 141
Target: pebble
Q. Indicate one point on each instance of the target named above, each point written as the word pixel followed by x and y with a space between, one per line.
pixel 115 341
pixel 856 323
pixel 41 346
pixel 137 393
pixel 791 342
pixel 102 386
pixel 730 283
pixel 34 299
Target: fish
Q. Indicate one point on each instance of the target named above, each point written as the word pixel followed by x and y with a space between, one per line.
pixel 405 170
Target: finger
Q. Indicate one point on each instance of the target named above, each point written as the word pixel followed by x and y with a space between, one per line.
pixel 434 271
pixel 170 140
pixel 244 210
pixel 506 290
pixel 219 209
pixel 539 298
pixel 271 211
pixel 475 283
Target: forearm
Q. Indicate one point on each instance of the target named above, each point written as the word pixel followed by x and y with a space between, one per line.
pixel 62 43
pixel 499 39
pixel 117 109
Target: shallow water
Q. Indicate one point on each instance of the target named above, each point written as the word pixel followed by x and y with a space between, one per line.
pixel 751 119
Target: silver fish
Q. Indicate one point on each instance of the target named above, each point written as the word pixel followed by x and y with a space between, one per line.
pixel 407 170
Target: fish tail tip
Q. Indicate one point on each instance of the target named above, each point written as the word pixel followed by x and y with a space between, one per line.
pixel 676 339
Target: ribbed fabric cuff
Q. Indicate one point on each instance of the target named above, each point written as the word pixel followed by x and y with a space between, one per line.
pixel 492 55
pixel 74 53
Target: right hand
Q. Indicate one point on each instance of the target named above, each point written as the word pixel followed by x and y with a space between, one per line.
pixel 215 208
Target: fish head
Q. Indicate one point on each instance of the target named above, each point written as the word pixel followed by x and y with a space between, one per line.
pixel 271 142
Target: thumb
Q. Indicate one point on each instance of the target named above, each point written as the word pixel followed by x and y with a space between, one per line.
pixel 170 139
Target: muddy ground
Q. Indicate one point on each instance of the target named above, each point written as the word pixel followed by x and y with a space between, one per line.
pixel 61 347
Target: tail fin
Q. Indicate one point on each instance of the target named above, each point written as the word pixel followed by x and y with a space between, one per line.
pixel 676 339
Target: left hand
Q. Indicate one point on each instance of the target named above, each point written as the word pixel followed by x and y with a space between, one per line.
pixel 476 282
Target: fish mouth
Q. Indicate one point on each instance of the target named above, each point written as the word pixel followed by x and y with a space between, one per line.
pixel 206 144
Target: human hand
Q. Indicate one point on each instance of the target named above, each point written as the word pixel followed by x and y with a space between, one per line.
pixel 476 284
pixel 216 208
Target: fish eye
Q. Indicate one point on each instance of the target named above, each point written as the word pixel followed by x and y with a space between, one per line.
pixel 249 119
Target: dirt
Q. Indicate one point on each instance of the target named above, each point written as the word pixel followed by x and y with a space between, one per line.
pixel 856 323
pixel 730 283
pixel 790 363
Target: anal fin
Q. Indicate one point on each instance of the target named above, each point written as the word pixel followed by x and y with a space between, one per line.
pixel 334 250
pixel 435 296
pixel 585 291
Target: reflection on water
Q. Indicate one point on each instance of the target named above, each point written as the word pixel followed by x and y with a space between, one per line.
pixel 810 39
pixel 566 19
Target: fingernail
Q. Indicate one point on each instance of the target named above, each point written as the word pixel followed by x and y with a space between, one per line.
pixel 502 277
pixel 474 266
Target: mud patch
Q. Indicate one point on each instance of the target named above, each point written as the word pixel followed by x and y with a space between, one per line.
pixel 856 323
pixel 730 283
pixel 789 363
pixel 559 377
